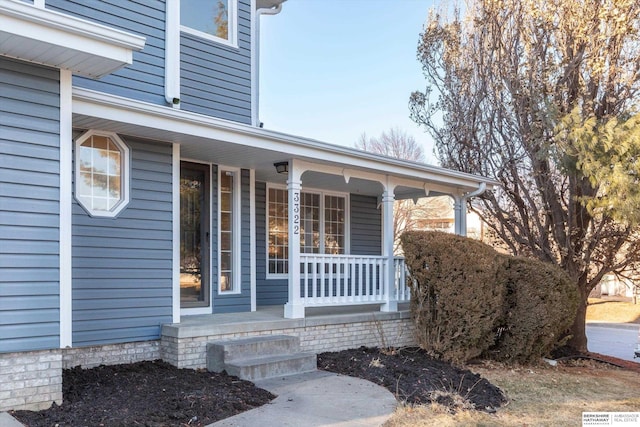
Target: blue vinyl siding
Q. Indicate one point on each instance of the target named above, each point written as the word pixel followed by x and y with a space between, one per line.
pixel 215 79
pixel 268 291
pixel 366 225
pixel 122 268
pixel 29 207
pixel 229 303
pixel 144 79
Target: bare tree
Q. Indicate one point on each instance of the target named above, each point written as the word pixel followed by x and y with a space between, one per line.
pixel 396 143
pixel 502 83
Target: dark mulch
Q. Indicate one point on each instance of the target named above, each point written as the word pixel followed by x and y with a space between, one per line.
pixel 149 394
pixel 415 377
pixel 155 394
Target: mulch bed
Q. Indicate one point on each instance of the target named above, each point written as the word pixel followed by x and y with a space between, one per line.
pixel 153 394
pixel 415 377
pixel 149 394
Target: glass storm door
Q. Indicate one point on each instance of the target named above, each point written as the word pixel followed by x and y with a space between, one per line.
pixel 194 235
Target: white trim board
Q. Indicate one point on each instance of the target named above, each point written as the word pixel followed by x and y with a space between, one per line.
pixel 66 204
pixel 175 219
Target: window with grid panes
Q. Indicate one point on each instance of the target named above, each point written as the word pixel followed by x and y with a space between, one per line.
pixel 322 226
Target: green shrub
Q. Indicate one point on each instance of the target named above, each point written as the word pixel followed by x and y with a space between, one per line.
pixel 457 295
pixel 467 300
pixel 541 303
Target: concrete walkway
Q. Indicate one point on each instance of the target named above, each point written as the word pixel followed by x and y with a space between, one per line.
pixel 318 399
pixel 7 420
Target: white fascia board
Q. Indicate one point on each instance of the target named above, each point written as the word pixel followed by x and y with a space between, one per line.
pixel 110 107
pixel 48 37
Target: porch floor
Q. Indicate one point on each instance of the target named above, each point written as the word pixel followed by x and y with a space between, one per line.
pixel 272 317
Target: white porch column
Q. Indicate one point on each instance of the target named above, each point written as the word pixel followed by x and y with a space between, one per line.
pixel 391 304
pixel 294 309
pixel 460 215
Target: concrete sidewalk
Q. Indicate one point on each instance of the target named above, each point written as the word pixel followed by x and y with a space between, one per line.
pixel 7 420
pixel 318 399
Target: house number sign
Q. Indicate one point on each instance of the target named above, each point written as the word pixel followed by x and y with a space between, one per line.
pixel 296 212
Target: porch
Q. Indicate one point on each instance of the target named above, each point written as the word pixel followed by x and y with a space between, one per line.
pixel 255 241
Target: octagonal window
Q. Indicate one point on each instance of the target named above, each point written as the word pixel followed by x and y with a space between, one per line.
pixel 101 173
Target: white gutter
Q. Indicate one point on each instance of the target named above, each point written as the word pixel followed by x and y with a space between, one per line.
pixel 255 58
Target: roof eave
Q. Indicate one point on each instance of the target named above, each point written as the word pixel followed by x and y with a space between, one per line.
pixel 47 37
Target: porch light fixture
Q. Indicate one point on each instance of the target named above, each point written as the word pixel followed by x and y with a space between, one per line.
pixel 282 167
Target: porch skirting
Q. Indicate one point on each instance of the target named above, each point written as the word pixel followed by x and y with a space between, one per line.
pixel 184 345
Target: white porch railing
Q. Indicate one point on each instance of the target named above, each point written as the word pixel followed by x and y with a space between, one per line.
pixel 349 279
pixel 403 293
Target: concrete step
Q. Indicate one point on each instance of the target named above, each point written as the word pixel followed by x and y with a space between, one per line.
pixel 260 357
pixel 272 366
pixel 221 352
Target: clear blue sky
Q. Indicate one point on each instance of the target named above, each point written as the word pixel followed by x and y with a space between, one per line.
pixel 333 69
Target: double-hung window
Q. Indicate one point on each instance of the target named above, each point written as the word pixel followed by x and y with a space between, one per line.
pixel 323 225
pixel 210 19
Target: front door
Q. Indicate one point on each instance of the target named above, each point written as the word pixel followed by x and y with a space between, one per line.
pixel 194 235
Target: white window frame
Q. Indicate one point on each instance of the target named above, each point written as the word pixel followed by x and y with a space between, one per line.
pixel 236 235
pixel 322 193
pixel 232 23
pixel 266 215
pixel 124 173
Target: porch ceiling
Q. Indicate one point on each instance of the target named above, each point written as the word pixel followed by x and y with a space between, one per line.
pixel 222 142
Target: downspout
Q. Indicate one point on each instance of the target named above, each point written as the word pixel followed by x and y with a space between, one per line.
pixel 172 53
pixel 255 59
pixel 461 208
pixel 481 189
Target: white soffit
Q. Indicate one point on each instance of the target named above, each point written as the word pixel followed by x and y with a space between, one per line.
pixel 51 38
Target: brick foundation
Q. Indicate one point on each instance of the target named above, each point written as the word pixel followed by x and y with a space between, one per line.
pixel 33 380
pixel 30 380
pixel 190 352
pixel 113 354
